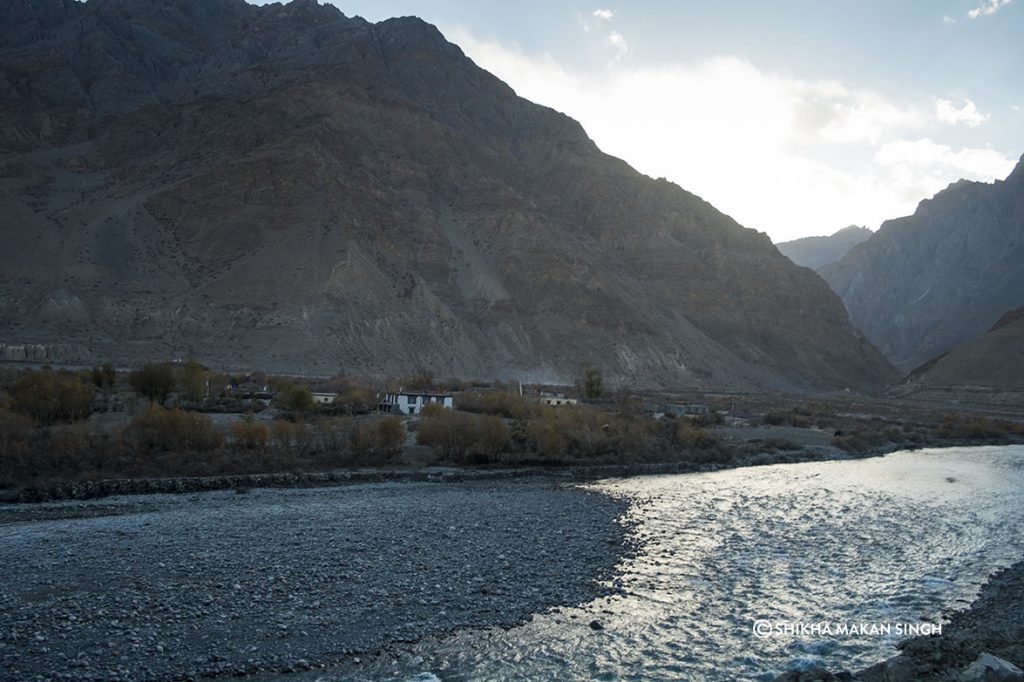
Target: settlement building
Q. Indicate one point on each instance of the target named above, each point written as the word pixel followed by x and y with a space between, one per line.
pixel 413 403
pixel 556 400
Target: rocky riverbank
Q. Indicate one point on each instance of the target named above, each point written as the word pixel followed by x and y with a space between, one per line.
pixel 983 643
pixel 95 489
pixel 993 625
pixel 219 583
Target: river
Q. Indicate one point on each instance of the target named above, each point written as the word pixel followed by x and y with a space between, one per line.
pixel 881 545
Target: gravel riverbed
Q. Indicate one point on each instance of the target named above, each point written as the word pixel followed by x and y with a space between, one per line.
pixel 184 586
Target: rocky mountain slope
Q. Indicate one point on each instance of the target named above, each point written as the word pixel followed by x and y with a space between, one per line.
pixel 287 188
pixel 925 283
pixel 995 359
pixel 817 252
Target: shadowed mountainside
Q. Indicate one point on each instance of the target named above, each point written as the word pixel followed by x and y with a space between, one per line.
pixel 994 359
pixel 925 283
pixel 817 252
pixel 287 188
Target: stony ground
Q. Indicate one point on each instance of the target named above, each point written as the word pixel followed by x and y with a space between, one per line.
pixel 183 586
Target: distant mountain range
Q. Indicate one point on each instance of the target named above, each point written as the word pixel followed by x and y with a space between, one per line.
pixel 923 284
pixel 283 187
pixel 817 252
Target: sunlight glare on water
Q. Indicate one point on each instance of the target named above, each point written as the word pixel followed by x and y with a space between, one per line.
pixel 895 540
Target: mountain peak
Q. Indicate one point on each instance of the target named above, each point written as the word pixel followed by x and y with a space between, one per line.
pixel 928 282
pixel 280 187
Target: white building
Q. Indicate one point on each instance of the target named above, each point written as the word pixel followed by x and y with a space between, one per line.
pixel 413 403
pixel 556 400
pixel 324 398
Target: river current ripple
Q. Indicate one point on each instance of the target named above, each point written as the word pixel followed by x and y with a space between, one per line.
pixel 893 540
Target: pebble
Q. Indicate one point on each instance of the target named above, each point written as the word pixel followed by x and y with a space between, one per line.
pixel 221 584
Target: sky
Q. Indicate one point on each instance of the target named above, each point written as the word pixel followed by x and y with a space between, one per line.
pixel 795 117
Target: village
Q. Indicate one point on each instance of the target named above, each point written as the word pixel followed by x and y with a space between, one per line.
pixel 180 419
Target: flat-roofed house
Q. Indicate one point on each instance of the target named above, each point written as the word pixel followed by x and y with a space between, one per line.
pixel 413 403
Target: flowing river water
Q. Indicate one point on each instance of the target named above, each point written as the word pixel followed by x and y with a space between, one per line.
pixel 885 544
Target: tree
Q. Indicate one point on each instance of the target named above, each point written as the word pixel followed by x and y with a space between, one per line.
pixel 47 396
pixel 193 381
pixel 593 384
pixel 420 380
pixel 295 398
pixel 104 376
pixel 153 380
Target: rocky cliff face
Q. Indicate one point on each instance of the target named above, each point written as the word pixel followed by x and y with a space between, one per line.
pixel 817 252
pixel 928 282
pixel 287 188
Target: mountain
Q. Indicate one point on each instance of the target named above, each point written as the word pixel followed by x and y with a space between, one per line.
pixel 817 252
pixel 286 188
pixel 995 359
pixel 926 283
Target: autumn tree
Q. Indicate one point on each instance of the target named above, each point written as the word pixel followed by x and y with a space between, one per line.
pixel 47 396
pixel 193 381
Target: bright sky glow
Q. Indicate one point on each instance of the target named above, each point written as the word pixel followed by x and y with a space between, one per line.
pixel 796 118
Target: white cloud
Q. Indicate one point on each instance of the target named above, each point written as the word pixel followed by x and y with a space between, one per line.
pixel 616 41
pixel 925 153
pixel 604 14
pixel 925 166
pixel 988 7
pixel 946 19
pixel 968 114
pixel 788 156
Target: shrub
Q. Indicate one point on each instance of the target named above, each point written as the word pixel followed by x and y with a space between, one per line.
pixel 391 435
pixel 15 431
pixel 293 437
pixel 161 429
pixel 356 400
pixel 48 397
pixel 712 418
pixel 976 428
pixel 249 434
pixel 695 438
pixel 451 432
pixel 502 403
pixel 779 444
pixel 492 436
pixel 546 439
pixel 378 440
pixel 331 434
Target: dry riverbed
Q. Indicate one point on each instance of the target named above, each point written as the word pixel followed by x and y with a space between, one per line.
pixel 219 583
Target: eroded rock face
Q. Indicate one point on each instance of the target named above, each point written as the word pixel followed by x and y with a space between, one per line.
pixel 286 188
pixel 928 282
